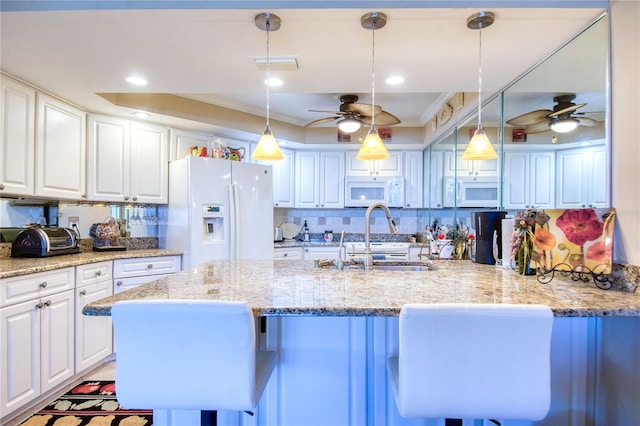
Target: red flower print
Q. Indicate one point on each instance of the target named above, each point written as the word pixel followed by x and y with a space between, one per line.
pixel 108 389
pixel 86 388
pixel 600 251
pixel 580 225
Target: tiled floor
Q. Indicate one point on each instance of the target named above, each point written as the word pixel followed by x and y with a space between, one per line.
pixel 106 371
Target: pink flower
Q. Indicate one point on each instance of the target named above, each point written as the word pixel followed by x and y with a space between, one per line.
pixel 580 225
pixel 600 251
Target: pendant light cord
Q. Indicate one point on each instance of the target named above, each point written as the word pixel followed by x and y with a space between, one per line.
pixel 268 25
pixel 480 79
pixel 373 74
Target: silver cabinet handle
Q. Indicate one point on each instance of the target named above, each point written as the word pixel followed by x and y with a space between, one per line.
pixel 285 254
pixel 1 186
pixel 43 284
pixel 39 305
pixel 150 266
pixel 83 292
pixel 98 273
pixel 126 198
pixel 135 198
pixel 47 303
pixel 119 283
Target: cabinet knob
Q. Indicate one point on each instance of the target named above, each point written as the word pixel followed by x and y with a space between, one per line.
pixel 150 266
pixel 285 254
pixel 39 305
pixel 47 303
pixel 83 196
pixel 275 204
pixel 43 284
pixel 126 197
pixel 1 186
pixel 135 198
pixel 83 292
pixel 583 206
pixel 119 283
pixel 408 205
pixel 98 273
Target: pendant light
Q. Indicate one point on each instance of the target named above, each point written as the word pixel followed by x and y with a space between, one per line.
pixel 267 148
pixel 373 148
pixel 479 147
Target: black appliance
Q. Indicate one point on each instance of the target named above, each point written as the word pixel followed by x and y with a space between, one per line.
pixel 44 242
pixel 488 226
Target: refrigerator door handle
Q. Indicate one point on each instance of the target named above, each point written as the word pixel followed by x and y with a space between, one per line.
pixel 233 218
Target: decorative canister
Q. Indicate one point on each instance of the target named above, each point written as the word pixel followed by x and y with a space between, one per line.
pixel 328 236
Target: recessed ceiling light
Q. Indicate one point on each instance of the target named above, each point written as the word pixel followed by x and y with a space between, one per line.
pixel 274 82
pixel 136 80
pixel 141 114
pixel 395 79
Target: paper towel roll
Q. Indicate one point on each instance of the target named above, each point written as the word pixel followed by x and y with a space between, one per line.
pixel 507 230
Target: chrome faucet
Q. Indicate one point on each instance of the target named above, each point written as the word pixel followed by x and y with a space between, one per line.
pixel 368 259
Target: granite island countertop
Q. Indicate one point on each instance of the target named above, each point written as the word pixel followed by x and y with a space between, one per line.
pixel 13 266
pixel 285 287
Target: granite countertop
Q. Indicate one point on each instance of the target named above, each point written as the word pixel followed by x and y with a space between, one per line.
pixel 12 266
pixel 285 287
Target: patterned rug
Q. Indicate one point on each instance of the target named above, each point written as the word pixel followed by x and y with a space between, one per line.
pixel 89 404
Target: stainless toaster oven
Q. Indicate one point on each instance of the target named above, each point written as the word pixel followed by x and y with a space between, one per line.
pixel 43 242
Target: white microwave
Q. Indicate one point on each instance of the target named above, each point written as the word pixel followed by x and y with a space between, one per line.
pixel 471 191
pixel 362 191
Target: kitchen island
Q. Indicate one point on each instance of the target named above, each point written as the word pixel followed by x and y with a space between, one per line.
pixel 334 331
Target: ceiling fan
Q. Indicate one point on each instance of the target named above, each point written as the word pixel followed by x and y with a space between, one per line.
pixel 561 119
pixel 354 114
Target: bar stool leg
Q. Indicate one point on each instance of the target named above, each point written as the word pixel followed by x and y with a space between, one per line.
pixel 208 418
pixel 452 422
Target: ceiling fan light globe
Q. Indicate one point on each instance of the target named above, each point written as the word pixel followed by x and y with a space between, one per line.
pixel 267 148
pixel 349 125
pixel 564 125
pixel 479 147
pixel 372 147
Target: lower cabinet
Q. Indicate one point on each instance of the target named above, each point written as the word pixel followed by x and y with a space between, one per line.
pixel 37 332
pixel 322 253
pixel 333 371
pixel 288 253
pixel 94 335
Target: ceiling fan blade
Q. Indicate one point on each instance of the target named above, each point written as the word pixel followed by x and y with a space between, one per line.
pixel 321 121
pixel 328 112
pixel 540 127
pixel 587 122
pixel 367 110
pixel 530 118
pixel 383 119
pixel 567 110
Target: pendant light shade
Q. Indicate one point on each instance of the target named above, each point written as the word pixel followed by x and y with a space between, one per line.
pixel 480 147
pixel 373 148
pixel 267 148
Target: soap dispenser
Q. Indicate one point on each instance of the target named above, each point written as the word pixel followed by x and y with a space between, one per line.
pixel 306 231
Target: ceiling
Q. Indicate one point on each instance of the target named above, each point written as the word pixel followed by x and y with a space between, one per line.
pixel 209 55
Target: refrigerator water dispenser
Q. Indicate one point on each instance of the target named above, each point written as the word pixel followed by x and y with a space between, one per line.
pixel 213 222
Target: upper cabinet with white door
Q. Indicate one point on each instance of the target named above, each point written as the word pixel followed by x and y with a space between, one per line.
pixel 391 166
pixel 127 161
pixel 60 150
pixel 529 180
pixel 581 179
pixel 454 165
pixel 319 179
pixel 17 128
pixel 413 165
pixel 283 179
pixel 182 140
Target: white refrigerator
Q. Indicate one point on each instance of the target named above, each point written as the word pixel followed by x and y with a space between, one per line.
pixel 219 209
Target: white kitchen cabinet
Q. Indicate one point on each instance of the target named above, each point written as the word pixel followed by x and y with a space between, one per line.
pixel 127 161
pixel 319 179
pixel 181 140
pixel 17 130
pixel 529 180
pixel 391 166
pixel 129 273
pixel 581 179
pixel 94 334
pixel 283 179
pixel 435 179
pixel 454 165
pixel 323 253
pixel 413 172
pixel 288 253
pixel 37 332
pixel 60 150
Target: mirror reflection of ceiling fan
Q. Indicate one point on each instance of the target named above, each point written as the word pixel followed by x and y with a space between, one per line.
pixel 562 119
pixel 354 114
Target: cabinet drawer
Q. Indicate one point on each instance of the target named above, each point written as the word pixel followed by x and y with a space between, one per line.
pixel 139 267
pixel 25 287
pixel 94 273
pixel 288 253
pixel 122 284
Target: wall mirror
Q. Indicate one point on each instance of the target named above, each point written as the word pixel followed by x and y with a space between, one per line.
pixel 537 166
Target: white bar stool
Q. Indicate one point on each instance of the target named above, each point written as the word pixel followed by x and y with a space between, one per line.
pixel 474 361
pixel 183 357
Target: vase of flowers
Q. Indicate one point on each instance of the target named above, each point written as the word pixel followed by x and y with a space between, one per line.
pixel 522 241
